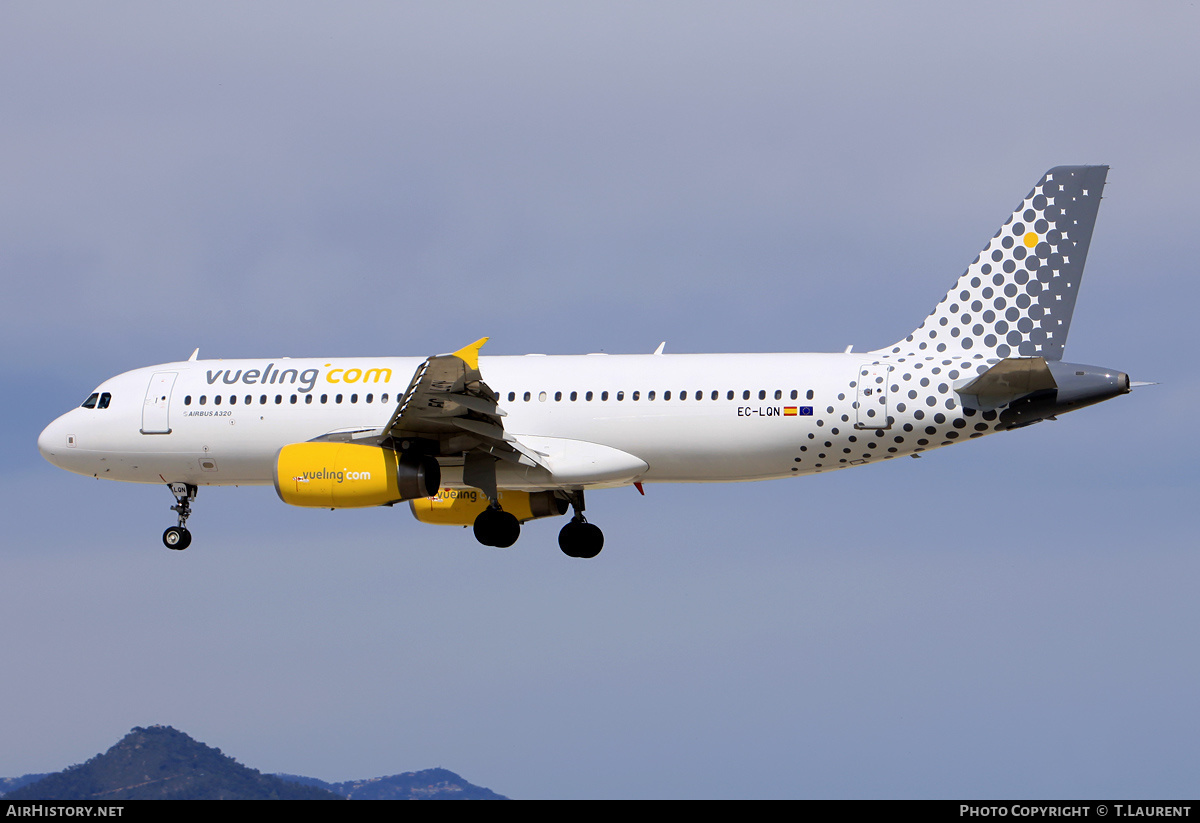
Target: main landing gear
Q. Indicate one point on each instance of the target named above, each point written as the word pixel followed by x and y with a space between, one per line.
pixel 580 538
pixel 496 527
pixel 178 537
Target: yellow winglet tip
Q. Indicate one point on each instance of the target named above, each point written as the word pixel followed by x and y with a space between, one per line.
pixel 470 354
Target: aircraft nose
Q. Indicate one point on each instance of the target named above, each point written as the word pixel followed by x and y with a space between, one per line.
pixel 53 441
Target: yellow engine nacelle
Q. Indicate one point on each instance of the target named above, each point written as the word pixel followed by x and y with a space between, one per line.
pixel 347 475
pixel 460 507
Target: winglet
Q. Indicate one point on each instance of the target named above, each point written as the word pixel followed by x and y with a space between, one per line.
pixel 470 354
pixel 195 354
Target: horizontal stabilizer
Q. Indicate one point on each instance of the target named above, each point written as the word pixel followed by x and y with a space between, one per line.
pixel 1006 381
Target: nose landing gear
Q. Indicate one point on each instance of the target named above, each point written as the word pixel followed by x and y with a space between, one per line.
pixel 178 537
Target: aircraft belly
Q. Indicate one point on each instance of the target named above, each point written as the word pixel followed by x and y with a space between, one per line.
pixel 160 467
pixel 664 453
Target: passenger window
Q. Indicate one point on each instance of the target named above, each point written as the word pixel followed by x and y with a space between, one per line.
pixel 779 394
pixel 603 395
pixel 369 396
pixel 557 396
pixel 512 395
pixel 308 398
pixel 527 395
pixel 666 395
pixel 715 395
pixel 187 401
pixel 683 395
pixel 233 400
pixel 262 400
pixel 324 398
pixel 620 395
pixel 278 399
pixel 541 397
pixel 383 397
pixel 354 398
pixel 574 396
pixel 762 394
pixel 203 399
pixel 746 394
pixel 337 398
pixel 809 395
pixel 795 394
pixel 217 400
pixel 104 398
pixel 293 400
pixel 249 399
pixel 729 396
pixel 636 395
pixel 588 396
pixel 90 403
pixel 650 395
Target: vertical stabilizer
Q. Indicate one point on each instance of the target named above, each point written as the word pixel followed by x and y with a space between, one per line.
pixel 1017 298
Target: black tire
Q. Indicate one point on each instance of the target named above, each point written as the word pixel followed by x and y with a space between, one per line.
pixel 483 527
pixel 177 538
pixel 580 539
pixel 496 528
pixel 508 529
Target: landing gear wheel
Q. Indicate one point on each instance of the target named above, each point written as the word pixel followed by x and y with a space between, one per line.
pixel 177 538
pixel 498 528
pixel 580 538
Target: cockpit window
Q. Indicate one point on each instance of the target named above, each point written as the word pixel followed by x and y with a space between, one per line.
pixel 90 403
pixel 104 399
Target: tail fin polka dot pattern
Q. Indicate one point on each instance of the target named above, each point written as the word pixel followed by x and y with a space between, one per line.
pixel 1016 299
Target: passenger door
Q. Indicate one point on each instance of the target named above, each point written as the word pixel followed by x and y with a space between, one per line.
pixel 158 400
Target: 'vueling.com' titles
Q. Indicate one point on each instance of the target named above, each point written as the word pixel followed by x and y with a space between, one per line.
pixel 306 380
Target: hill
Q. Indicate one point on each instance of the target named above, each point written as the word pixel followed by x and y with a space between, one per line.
pixel 428 784
pixel 162 763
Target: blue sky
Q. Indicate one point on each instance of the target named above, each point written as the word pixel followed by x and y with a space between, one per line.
pixel 1015 617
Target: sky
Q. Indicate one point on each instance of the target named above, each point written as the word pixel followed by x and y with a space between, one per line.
pixel 1013 618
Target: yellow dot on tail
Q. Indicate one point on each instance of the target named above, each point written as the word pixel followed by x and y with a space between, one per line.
pixel 1031 239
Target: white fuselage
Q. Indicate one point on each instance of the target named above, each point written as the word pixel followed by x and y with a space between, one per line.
pixel 681 417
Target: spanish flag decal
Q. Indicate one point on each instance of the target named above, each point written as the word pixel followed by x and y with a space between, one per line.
pixel 789 411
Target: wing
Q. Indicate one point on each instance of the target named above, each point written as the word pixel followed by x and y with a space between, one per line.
pixel 449 411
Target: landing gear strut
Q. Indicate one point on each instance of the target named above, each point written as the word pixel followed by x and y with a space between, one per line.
pixel 178 537
pixel 496 527
pixel 580 538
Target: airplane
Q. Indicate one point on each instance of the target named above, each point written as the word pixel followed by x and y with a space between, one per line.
pixel 495 442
